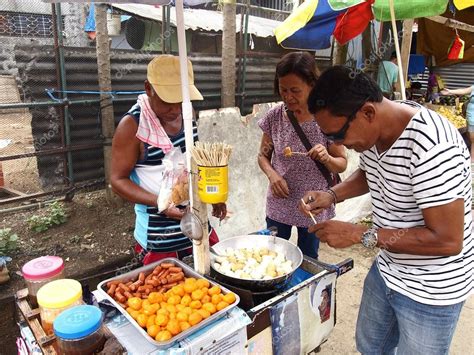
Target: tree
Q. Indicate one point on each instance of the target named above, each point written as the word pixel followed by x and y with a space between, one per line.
pixel 228 54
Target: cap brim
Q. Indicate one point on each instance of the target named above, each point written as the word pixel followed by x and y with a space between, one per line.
pixel 173 95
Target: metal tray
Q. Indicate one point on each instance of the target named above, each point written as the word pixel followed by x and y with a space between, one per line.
pixel 188 272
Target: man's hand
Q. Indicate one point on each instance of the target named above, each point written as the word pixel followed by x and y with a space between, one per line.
pixel 446 92
pixel 319 153
pixel 315 202
pixel 278 186
pixel 174 213
pixel 219 210
pixel 338 234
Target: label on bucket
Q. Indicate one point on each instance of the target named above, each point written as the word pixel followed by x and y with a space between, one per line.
pixel 213 184
pixel 212 189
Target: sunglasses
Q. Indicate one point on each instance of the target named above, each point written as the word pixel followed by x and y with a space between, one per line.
pixel 341 134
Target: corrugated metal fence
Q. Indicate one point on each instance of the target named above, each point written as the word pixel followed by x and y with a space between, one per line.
pixel 36 71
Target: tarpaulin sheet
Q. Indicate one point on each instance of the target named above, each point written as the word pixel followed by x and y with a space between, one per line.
pixel 435 38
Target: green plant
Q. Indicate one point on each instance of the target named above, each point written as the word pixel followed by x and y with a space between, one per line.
pixel 56 215
pixel 8 241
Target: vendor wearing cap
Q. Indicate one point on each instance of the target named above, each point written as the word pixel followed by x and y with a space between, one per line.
pixel 144 135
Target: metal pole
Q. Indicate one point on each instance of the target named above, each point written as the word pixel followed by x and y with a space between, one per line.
pixel 60 110
pixel 168 29
pixel 62 76
pixel 241 52
pixel 244 67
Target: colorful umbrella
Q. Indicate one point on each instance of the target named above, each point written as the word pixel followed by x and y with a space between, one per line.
pixel 313 23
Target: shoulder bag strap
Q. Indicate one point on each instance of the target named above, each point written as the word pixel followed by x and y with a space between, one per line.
pixel 299 131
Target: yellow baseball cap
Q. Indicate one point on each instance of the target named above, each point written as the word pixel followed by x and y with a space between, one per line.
pixel 164 75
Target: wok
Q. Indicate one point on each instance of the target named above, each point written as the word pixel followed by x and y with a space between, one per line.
pixel 291 252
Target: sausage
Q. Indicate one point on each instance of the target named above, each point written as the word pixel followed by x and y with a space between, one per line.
pixel 176 277
pixel 110 283
pixel 129 283
pixel 112 289
pixel 137 294
pixel 157 270
pixel 170 285
pixel 124 287
pixel 128 294
pixel 166 265
pixel 175 269
pixel 141 277
pixel 121 298
pixel 153 283
pixel 164 275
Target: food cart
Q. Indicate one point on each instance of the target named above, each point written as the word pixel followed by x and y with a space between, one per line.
pixel 295 318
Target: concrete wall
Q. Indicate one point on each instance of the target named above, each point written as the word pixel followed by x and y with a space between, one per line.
pixel 247 184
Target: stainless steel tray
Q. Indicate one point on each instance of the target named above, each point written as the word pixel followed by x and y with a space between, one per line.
pixel 188 272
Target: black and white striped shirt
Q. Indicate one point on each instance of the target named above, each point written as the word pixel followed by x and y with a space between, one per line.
pixel 427 166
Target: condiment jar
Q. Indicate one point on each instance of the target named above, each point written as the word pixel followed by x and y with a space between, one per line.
pixel 39 272
pixel 78 331
pixel 55 297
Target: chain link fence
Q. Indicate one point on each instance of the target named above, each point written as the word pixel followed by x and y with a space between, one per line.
pixel 50 121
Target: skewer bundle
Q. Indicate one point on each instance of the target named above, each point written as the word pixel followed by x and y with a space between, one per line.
pixel 211 154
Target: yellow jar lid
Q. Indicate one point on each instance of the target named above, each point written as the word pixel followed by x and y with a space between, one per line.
pixel 59 293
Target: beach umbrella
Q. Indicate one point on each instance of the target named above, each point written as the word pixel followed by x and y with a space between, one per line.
pixel 312 24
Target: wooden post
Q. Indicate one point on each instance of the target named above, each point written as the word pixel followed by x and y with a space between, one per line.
pixel 106 106
pixel 202 261
pixel 341 54
pixel 401 80
pixel 228 54
pixel 406 46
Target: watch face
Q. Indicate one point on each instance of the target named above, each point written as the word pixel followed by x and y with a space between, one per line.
pixel 369 239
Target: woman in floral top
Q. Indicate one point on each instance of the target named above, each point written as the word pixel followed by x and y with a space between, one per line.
pixel 291 177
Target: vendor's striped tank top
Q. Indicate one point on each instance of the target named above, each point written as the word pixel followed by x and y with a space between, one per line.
pixel 154 231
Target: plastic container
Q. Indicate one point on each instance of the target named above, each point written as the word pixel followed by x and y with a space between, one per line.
pixel 55 297
pixel 39 272
pixel 78 331
pixel 213 184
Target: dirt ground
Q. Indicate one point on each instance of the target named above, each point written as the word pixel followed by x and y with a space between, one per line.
pixel 96 234
pixel 349 292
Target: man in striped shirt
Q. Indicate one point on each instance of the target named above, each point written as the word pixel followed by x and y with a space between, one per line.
pixel 416 167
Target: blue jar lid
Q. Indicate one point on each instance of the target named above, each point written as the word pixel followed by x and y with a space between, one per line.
pixel 77 322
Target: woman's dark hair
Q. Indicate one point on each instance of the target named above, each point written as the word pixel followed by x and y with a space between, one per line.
pixel 301 64
pixel 341 90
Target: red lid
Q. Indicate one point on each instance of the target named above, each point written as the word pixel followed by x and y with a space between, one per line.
pixel 42 267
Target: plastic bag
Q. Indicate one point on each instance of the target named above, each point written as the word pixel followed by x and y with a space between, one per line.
pixel 174 190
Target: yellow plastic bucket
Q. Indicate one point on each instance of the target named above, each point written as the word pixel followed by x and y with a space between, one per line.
pixel 213 184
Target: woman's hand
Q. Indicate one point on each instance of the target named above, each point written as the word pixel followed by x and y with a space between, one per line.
pixel 174 213
pixel 219 210
pixel 278 186
pixel 319 153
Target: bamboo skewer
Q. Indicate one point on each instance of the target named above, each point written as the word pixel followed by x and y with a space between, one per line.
pixel 310 214
pixel 211 154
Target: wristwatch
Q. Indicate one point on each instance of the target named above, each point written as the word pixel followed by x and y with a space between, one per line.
pixel 369 238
